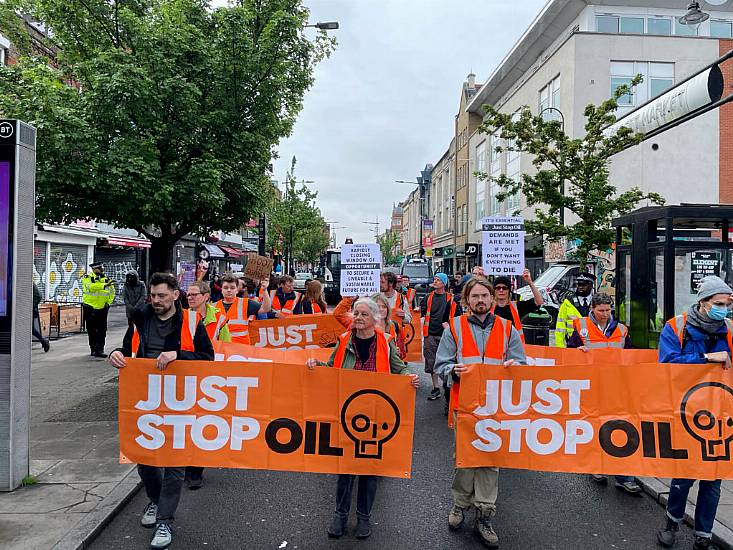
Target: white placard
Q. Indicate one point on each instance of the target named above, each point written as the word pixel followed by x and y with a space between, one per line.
pixel 361 265
pixel 503 245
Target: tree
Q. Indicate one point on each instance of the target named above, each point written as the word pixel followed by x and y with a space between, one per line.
pixel 295 222
pixel 388 242
pixel 175 110
pixel 571 173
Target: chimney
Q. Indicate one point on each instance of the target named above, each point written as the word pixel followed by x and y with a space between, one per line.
pixel 471 80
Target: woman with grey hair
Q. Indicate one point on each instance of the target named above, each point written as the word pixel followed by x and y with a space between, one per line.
pixel 364 347
pixel 388 325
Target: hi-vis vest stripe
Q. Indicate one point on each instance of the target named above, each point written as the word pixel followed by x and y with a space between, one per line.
pixel 594 338
pixel 289 306
pixel 515 318
pixel 449 301
pixel 678 325
pixel 236 319
pixel 188 331
pixel 382 351
pixel 467 352
pixel 213 329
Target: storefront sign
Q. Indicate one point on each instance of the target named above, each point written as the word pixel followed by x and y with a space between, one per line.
pixel 503 245
pixel 703 264
pixel 360 268
pixel 471 250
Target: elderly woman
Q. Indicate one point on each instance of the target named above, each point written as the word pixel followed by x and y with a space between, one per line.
pixel 387 325
pixel 364 347
pixel 702 335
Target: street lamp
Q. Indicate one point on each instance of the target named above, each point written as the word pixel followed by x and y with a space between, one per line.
pixel 694 16
pixel 326 26
pixel 562 127
pixel 375 228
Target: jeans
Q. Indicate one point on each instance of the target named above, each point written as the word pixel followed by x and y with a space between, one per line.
pixel 163 487
pixel 367 490
pixel 194 472
pixel 708 495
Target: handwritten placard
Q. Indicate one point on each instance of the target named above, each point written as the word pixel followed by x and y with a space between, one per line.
pixel 258 268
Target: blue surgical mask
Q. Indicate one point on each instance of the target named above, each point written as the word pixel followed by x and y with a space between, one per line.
pixel 718 313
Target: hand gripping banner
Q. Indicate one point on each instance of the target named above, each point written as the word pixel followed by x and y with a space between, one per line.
pixel 648 419
pixel 267 416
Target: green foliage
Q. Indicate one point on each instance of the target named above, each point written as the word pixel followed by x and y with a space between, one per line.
pixel 580 167
pixel 388 242
pixel 178 109
pixel 29 480
pixel 295 219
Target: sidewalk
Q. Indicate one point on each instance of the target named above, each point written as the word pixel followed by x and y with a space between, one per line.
pixel 74 448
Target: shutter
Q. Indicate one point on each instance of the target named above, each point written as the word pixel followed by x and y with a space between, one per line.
pixel 68 264
pixel 39 266
pixel 117 262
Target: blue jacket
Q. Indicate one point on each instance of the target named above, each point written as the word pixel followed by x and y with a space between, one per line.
pixel 696 344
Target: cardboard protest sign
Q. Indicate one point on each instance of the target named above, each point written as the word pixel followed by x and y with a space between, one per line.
pixel 361 265
pixel 648 419
pixel 503 245
pixel 296 332
pixel 258 268
pixel 268 416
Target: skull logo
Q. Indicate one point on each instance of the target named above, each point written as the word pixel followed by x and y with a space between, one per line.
pixel 370 418
pixel 707 414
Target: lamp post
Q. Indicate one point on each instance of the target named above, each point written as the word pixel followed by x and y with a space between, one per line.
pixel 325 26
pixel 562 127
pixel 694 16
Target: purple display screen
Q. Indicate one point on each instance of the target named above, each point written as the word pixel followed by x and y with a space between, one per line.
pixel 4 235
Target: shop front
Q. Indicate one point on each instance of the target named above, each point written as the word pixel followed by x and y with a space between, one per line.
pixel 120 254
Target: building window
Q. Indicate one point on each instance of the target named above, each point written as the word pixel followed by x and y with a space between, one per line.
pixel 660 26
pixel 550 97
pixel 658 78
pixel 683 30
pixel 496 171
pixel 631 25
pixel 607 23
pixel 721 29
pixel 480 185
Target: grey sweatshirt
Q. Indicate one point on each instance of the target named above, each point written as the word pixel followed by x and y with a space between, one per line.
pixel 446 356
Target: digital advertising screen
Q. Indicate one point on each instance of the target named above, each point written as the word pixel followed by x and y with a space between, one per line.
pixel 4 235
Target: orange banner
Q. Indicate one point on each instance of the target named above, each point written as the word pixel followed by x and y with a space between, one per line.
pixel 229 351
pixel 648 419
pixel 413 338
pixel 269 416
pixel 296 332
pixel 547 356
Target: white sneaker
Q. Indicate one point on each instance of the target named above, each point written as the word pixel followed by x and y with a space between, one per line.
pixel 150 515
pixel 162 536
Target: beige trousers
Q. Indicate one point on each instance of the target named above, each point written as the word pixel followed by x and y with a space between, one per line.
pixel 477 487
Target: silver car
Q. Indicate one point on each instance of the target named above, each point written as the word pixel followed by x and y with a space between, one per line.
pixel 300 279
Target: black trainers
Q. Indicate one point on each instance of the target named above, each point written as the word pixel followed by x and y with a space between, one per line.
pixel 338 527
pixel 703 543
pixel 666 536
pixel 435 394
pixel 631 487
pixel 363 528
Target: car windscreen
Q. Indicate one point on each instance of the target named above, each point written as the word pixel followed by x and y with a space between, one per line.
pixel 549 277
pixel 416 271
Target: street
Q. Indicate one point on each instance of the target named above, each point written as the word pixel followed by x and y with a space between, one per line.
pixel 260 509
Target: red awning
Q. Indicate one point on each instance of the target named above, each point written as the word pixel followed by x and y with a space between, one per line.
pixel 233 252
pixel 133 242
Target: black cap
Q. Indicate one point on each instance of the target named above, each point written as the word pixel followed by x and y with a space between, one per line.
pixel 585 277
pixel 502 281
pixel 94 265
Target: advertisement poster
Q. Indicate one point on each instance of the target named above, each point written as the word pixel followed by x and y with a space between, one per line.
pixel 4 234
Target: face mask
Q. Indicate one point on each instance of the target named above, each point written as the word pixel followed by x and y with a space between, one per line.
pixel 718 313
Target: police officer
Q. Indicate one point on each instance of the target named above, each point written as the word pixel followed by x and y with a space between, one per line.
pixel 99 294
pixel 574 307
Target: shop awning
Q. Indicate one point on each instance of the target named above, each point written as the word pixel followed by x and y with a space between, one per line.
pixel 233 252
pixel 214 251
pixel 132 242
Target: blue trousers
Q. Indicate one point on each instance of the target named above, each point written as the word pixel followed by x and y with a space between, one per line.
pixel 708 496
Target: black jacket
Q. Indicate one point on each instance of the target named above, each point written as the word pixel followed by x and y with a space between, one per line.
pixel 141 319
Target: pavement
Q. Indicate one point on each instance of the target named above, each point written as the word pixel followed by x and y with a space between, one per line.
pixel 84 498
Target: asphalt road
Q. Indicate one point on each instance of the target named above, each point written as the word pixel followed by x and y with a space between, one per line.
pixel 247 509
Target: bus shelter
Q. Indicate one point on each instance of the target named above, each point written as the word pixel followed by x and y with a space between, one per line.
pixel 661 255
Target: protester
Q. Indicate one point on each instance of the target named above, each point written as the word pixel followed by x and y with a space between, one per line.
pixel 401 311
pixel 478 271
pixel 134 293
pixel 514 311
pixel 436 310
pixel 600 330
pixel 343 311
pixel 489 339
pixel 703 335
pixel 574 307
pixel 387 325
pixel 163 331
pixel 284 299
pixel 36 323
pixel 367 348
pixel 238 311
pixel 199 298
pixel 99 294
pixel 456 283
pixel 409 293
pixel 313 301
pixel 216 289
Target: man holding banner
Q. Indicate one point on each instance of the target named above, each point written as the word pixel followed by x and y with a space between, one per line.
pixel 163 331
pixel 476 337
pixel 702 335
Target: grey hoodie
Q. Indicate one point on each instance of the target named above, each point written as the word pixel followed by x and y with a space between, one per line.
pixel 133 296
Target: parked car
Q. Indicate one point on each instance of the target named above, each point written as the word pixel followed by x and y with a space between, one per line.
pixel 301 278
pixel 420 273
pixel 555 283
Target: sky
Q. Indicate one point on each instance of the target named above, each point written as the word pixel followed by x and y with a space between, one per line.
pixel 384 104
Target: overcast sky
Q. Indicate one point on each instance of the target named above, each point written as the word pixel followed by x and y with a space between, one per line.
pixel 383 105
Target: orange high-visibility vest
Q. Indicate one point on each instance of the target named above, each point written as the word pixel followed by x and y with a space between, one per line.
pixel 593 337
pixel 236 319
pixel 261 294
pixel 678 325
pixel 213 328
pixel 316 308
pixel 382 351
pixel 410 295
pixel 515 318
pixel 495 350
pixel 188 331
pixel 449 301
pixel 399 305
pixel 288 307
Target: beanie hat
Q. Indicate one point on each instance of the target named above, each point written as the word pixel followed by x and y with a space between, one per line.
pixel 710 286
pixel 443 278
pixel 502 281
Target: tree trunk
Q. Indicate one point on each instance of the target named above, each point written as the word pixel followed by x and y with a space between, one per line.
pixel 161 255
